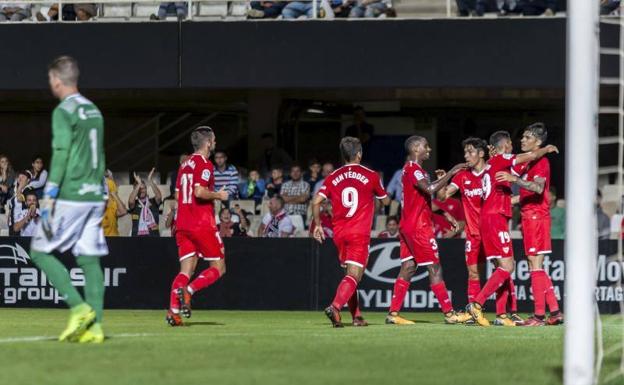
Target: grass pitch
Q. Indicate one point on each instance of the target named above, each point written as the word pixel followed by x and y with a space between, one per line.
pixel 235 347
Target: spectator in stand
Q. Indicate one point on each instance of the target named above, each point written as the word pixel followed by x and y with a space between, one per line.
pixel 297 9
pixel 395 186
pixel 254 188
pixel 392 228
pixel 326 220
pixel 225 176
pixel 274 186
pixel 265 9
pixel 7 178
pixel 271 156
pixel 81 12
pixel 276 223
pixel 361 129
pixel 296 193
pixel 179 9
pixel 232 225
pixel 17 198
pixel 115 208
pixel 25 217
pixel 37 176
pixel 313 175
pixel 603 221
pixel 174 177
pixel 144 210
pixel 327 169
pixel 557 217
pixel 14 11
pixel 538 7
pixel 368 9
pixel 608 7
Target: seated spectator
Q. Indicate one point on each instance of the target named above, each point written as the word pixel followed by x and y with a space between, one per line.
pixel 85 11
pixel 17 198
pixel 37 176
pixel 265 9
pixel 81 12
pixel 174 177
pixel 466 7
pixel 368 9
pixel 276 223
pixel 144 210
pixel 14 11
pixel 296 193
pixel 178 9
pixel 232 225
pixel 114 207
pixel 392 228
pixel 25 216
pixel 272 157
pixel 254 188
pixel 7 177
pixel 327 169
pixel 274 186
pixel 225 176
pixel 313 174
pixel 557 217
pixel 326 220
pixel 538 7
pixel 297 9
pixel 341 8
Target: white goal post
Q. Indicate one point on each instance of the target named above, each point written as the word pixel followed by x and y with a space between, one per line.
pixel 581 171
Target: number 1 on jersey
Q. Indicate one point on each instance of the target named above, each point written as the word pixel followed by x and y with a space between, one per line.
pixel 93 140
pixel 350 200
pixel 186 182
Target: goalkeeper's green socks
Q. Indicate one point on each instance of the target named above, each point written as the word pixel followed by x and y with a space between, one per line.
pixel 59 277
pixel 94 285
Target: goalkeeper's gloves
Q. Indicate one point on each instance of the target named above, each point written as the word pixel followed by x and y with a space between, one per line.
pixel 46 206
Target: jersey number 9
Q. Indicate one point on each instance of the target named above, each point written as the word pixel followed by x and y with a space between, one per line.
pixel 350 200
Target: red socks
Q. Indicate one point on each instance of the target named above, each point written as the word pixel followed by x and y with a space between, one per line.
pixel 512 300
pixel 398 295
pixel 543 292
pixel 474 287
pixel 439 289
pixel 204 279
pixel 502 294
pixel 354 306
pixel 551 297
pixel 179 281
pixel 344 292
pixel 497 279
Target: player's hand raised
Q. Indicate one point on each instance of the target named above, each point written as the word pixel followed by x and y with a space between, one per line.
pixel 551 148
pixel 503 176
pixel 319 234
pixel 440 173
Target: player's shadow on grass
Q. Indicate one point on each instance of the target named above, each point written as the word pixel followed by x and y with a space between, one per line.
pixel 203 323
pixel 557 371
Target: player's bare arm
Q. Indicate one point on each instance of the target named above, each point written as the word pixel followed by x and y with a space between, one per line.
pixel 433 187
pixel 536 185
pixel 446 192
pixel 535 155
pixel 318 234
pixel 204 193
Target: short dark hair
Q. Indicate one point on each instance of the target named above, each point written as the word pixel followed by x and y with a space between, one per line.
pixel 201 135
pixel 280 200
pixel 350 147
pixel 297 165
pixel 34 158
pixel 313 161
pixel 538 130
pixel 66 69
pixel 412 140
pixel 498 137
pixel 478 143
pixel 220 152
pixel 30 192
pixel 392 218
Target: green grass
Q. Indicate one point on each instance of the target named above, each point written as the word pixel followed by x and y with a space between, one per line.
pixel 298 348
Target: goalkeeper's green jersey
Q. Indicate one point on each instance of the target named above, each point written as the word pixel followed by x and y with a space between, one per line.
pixel 77 164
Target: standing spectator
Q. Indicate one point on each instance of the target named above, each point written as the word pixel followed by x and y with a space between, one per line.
pixel 326 220
pixel 327 169
pixel 37 176
pixel 276 223
pixel 395 187
pixel 360 128
pixel 226 176
pixel 274 186
pixel 538 7
pixel 557 217
pixel 271 156
pixel 313 175
pixel 232 225
pixel 17 199
pixel 25 216
pixel 296 193
pixel 174 177
pixel 14 11
pixel 115 208
pixel 144 210
pixel 603 221
pixel 392 228
pixel 254 188
pixel 265 9
pixel 368 9
pixel 179 9
pixel 7 177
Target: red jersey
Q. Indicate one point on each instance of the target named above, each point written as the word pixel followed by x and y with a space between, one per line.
pixel 351 190
pixel 451 206
pixel 470 186
pixel 532 203
pixel 440 225
pixel 326 224
pixel 497 195
pixel 416 204
pixel 194 214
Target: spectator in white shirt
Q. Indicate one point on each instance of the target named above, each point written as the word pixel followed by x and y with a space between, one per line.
pixel 38 177
pixel 14 11
pixel 25 216
pixel 276 223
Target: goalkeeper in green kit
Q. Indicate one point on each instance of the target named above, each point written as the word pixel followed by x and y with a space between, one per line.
pixel 73 204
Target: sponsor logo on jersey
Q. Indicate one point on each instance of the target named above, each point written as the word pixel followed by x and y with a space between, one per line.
pixel 90 188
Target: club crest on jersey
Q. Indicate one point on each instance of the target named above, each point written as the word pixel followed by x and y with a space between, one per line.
pixel 206 175
pixel 506 249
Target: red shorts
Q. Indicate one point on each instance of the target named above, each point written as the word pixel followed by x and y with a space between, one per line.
pixel 419 245
pixel 536 234
pixel 475 253
pixel 206 244
pixel 495 236
pixel 352 249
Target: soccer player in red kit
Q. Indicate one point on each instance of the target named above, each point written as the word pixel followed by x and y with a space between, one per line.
pixel 534 180
pixel 197 235
pixel 418 244
pixel 352 190
pixel 468 183
pixel 495 215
